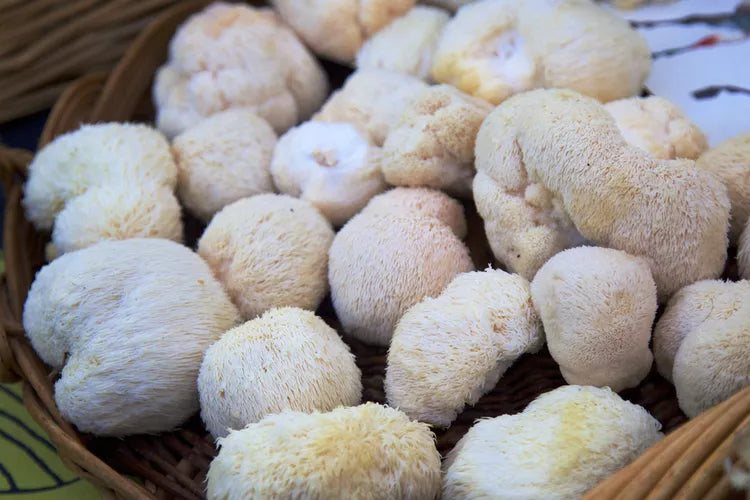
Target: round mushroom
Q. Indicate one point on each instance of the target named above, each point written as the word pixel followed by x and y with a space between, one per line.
pixel 553 169
pixel 560 446
pixel 237 56
pixel 222 159
pixel 269 251
pixel 128 323
pixel 287 359
pixel 657 126
pixel 331 165
pixel 407 45
pixel 369 451
pixel 702 343
pixel 382 264
pixel 433 143
pixel 447 351
pixel 597 306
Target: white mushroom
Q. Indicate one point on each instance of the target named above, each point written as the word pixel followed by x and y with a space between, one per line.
pixel 448 351
pixel 331 165
pixel 127 322
pixel 368 452
pixel 287 359
pixel 561 445
pixel 269 251
pixel 597 306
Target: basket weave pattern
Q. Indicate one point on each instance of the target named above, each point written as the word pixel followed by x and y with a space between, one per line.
pixel 689 463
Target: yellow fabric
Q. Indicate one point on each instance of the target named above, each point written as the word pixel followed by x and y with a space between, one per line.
pixel 29 466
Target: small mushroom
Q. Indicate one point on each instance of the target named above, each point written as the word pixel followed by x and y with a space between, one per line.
pixel 222 159
pixel 287 359
pixel 447 351
pixel 368 451
pixel 564 443
pixel 269 251
pixel 702 343
pixel 597 306
pixel 331 165
pixel 127 322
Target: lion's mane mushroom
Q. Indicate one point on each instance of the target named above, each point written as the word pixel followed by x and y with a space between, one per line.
pixel 433 143
pixel 702 343
pixel 383 262
pixel 287 359
pixel 269 251
pixel 127 322
pixel 448 351
pixel 552 167
pixel 597 306
pixel 332 165
pixel 237 56
pixel 657 126
pixel 743 253
pixel 222 159
pixel 493 49
pixel 561 445
pixel 369 452
pixel 407 44
pixel 372 100
pixel 131 174
pixel 420 202
pixel 730 162
pixel 336 29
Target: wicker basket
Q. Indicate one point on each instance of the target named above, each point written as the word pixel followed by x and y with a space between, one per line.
pixel 688 462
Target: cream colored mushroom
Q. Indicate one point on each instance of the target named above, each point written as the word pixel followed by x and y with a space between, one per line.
pixel 369 452
pixel 597 306
pixel 730 162
pixel 560 446
pixel 331 165
pixel 493 49
pixel 287 359
pixel 269 251
pixel 382 264
pixel 407 45
pixel 336 29
pixel 447 351
pixel 237 56
pixel 552 169
pixel 702 343
pixel 127 322
pixel 372 100
pixel 743 253
pixel 433 143
pixel 657 126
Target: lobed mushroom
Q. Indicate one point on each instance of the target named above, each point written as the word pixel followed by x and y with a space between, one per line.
pixel 560 446
pixel 447 351
pixel 730 162
pixel 367 452
pixel 597 306
pixel 127 323
pixel 287 359
pixel 237 56
pixel 336 29
pixel 702 343
pixel 553 171
pixel 222 159
pixel 407 44
pixel 383 262
pixel 372 100
pixel 103 181
pixel 433 143
pixel 269 251
pixel 493 49
pixel 332 165
pixel 657 126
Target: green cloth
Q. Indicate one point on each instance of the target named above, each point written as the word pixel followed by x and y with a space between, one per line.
pixel 29 466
